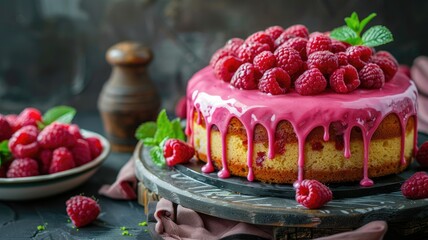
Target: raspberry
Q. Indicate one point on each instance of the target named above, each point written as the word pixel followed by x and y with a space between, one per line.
pixel 264 61
pixel 244 77
pixel 23 167
pixel 226 67
pixel 275 81
pixel 81 152
pixel 317 43
pixel 313 194
pixel 297 30
pixel 274 31
pixel 56 135
pixel 74 130
pixel 358 56
pixel 288 59
pixel 249 50
pixel 284 37
pixel 5 129
pixel 345 79
pixel 386 54
pixel 262 38
pixel 232 45
pixel 29 116
pixel 371 76
pixel 23 143
pixel 342 58
pixel 62 160
pixel 82 210
pixel 422 155
pixel 298 44
pixel 325 61
pixel 95 146
pixel 176 151
pixel 311 82
pixel 181 108
pixel 13 121
pixel 219 54
pixel 388 66
pixel 337 46
pixel 45 159
pixel 416 187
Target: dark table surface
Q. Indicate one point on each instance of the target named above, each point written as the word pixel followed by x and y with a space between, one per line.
pixel 19 220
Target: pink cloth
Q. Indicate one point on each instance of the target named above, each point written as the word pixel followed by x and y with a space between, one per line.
pixel 125 185
pixel 186 224
pixel 419 72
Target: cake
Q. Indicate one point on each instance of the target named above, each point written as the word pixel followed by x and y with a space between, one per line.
pixel 333 112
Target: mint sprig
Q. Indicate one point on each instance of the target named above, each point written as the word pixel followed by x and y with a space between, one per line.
pixel 351 32
pixel 63 114
pixel 154 134
pixel 5 154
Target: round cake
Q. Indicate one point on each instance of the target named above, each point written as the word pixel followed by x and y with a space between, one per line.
pixel 314 120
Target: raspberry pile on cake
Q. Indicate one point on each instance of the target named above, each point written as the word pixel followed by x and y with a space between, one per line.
pixel 285 104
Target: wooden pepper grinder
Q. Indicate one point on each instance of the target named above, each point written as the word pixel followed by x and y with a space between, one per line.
pixel 129 97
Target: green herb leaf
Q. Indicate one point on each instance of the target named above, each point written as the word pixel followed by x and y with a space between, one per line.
pixel 146 130
pixel 364 22
pixel 353 22
pixel 156 153
pixel 164 127
pixel 345 34
pixel 178 131
pixel 5 154
pixel 377 35
pixel 150 141
pixel 63 114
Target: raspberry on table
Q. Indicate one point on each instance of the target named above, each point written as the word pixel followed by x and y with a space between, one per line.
pixel 317 43
pixel 371 76
pixel 416 187
pixel 264 61
pixel 325 61
pixel 274 31
pixel 81 152
pixel 23 167
pixel 298 30
pixel 311 82
pixel 345 79
pixel 232 45
pixel 275 81
pixel 313 194
pixel 284 37
pixel 342 58
pixel 244 77
pixel 288 59
pixel 422 155
pixel 249 50
pixel 62 160
pixel 56 135
pixel 29 116
pixel 388 66
pixel 298 44
pixel 5 129
pixel 23 142
pixel 82 210
pixel 95 146
pixel 358 56
pixel 262 38
pixel 226 67
pixel 219 54
pixel 176 151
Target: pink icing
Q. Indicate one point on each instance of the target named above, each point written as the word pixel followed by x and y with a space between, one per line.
pixel 218 102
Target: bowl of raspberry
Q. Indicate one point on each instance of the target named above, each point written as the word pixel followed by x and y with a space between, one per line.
pixel 44 155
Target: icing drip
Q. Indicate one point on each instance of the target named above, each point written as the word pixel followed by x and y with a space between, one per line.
pixel 217 102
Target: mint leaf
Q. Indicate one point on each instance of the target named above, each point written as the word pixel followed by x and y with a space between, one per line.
pixel 156 153
pixel 353 22
pixel 164 127
pixel 5 154
pixel 364 22
pixel 63 114
pixel 345 34
pixel 150 141
pixel 178 131
pixel 377 35
pixel 146 130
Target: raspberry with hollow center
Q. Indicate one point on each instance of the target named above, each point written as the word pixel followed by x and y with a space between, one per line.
pixel 422 155
pixel 313 194
pixel 416 187
pixel 388 66
pixel 345 79
pixel 244 77
pixel 264 61
pixel 275 81
pixel 284 37
pixel 219 54
pixel 82 210
pixel 371 76
pixel 23 143
pixel 249 50
pixel 62 160
pixel 298 44
pixel 358 56
pixel 23 167
pixel 176 151
pixel 262 38
pixel 288 59
pixel 298 30
pixel 311 82
pixel 317 43
pixel 274 31
pixel 325 61
pixel 226 67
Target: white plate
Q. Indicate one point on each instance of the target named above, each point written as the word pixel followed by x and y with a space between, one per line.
pixel 47 185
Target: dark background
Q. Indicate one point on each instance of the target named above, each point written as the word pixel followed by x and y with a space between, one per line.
pixel 53 51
